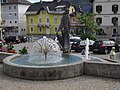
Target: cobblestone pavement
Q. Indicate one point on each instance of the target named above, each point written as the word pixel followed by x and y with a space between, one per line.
pixel 79 83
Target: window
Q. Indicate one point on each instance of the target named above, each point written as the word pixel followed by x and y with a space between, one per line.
pixel 9 7
pixel 43 11
pixel 73 20
pixel 72 10
pixel 47 19
pixel 14 7
pixel 58 9
pixel 15 21
pixel 31 29
pixel 15 14
pixel 99 20
pixel 115 20
pixel 40 20
pixel 10 21
pixel 115 8
pixel 21 29
pixel 40 29
pixel 99 8
pixel 10 14
pixel 55 19
pixel 31 20
pixel 55 29
pixel 24 29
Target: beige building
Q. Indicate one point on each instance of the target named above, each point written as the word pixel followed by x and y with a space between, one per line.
pixel 107 16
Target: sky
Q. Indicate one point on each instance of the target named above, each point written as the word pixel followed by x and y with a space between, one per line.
pixel 33 1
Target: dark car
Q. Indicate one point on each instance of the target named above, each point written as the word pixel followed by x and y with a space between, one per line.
pixel 13 39
pixel 104 46
pixel 23 39
pixel 114 37
pixel 79 46
pixel 75 44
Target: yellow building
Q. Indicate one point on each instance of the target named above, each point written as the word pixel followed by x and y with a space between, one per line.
pixel 43 18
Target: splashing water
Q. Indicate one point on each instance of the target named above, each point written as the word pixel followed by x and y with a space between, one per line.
pixel 87 49
pixel 45 51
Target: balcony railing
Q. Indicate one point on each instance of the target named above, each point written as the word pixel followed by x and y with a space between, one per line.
pixel 44 25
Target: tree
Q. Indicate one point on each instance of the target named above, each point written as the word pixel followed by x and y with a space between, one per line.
pixel 87 20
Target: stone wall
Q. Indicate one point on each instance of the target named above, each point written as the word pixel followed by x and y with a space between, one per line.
pixel 111 70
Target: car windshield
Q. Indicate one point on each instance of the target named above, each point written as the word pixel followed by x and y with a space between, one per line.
pixel 108 42
pixel 91 42
pixel 74 40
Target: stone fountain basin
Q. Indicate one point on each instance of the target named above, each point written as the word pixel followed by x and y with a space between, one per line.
pixel 41 72
pixel 91 67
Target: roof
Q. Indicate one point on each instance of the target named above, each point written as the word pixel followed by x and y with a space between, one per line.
pixel 50 7
pixel 17 2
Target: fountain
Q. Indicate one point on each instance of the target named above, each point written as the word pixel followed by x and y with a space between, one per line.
pixel 87 49
pixel 46 62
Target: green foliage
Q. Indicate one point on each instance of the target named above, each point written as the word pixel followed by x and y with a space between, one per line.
pixel 10 46
pixel 1 44
pixel 3 22
pixel 23 51
pixel 89 25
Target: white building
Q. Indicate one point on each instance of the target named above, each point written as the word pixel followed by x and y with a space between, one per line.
pixel 13 12
pixel 107 16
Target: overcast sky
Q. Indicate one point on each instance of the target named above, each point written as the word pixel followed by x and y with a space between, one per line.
pixel 38 0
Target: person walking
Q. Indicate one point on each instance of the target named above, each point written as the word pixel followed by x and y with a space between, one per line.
pixel 112 53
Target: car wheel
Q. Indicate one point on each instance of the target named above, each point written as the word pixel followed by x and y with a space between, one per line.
pixel 106 51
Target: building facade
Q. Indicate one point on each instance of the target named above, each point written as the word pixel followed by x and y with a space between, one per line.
pixel 0 22
pixel 43 18
pixel 107 16
pixel 13 12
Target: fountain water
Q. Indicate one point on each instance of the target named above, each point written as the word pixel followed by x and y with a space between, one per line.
pixel 45 51
pixel 87 49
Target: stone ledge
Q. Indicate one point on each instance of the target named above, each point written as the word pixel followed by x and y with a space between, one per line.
pixel 41 73
pixel 111 70
pixel 4 55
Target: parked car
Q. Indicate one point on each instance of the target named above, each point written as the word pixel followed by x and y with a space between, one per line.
pixel 75 45
pixel 80 45
pixel 23 39
pixel 74 40
pixel 104 46
pixel 13 39
pixel 114 37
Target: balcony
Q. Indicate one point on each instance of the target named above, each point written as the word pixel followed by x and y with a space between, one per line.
pixel 44 25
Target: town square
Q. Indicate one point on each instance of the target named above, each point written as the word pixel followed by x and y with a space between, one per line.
pixel 59 44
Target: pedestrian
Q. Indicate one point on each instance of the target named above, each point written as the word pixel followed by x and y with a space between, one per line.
pixel 112 53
